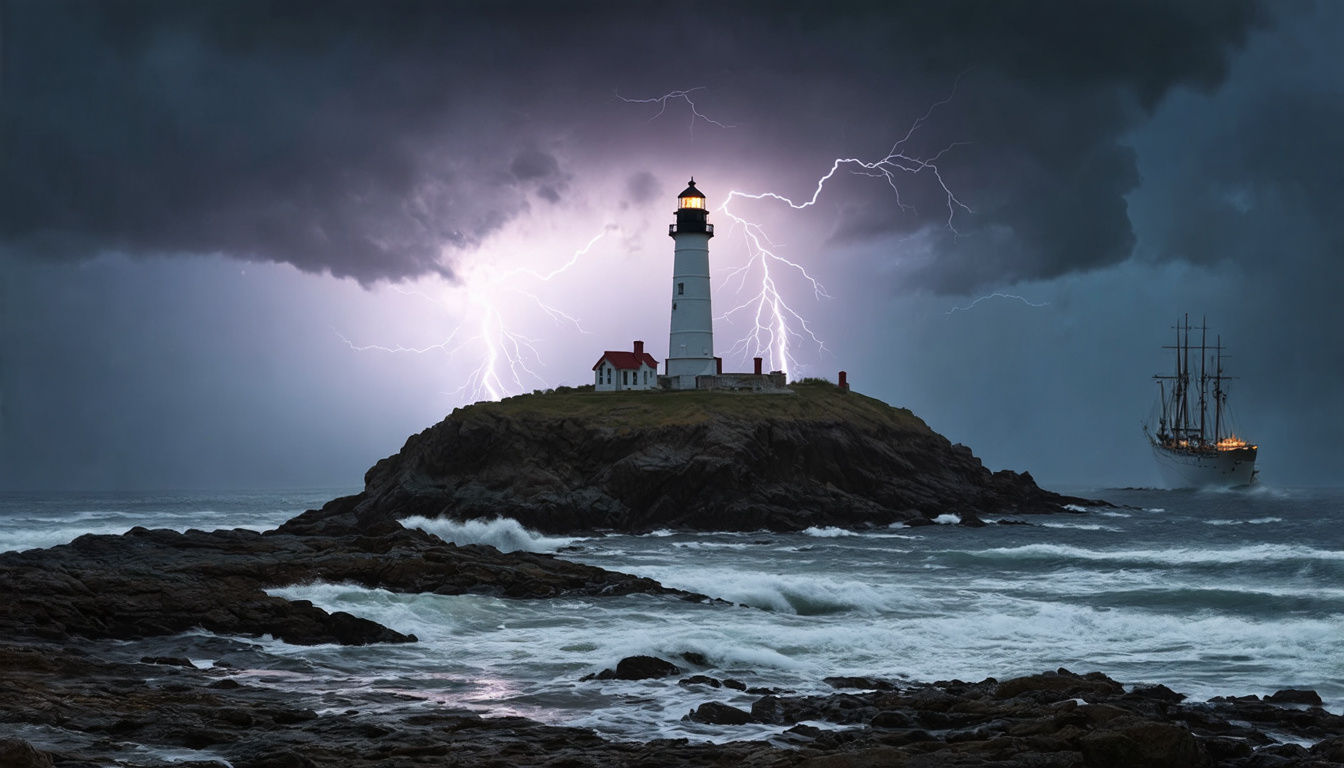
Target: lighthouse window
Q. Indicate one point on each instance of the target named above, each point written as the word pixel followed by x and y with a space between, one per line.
pixel 674 306
pixel 681 289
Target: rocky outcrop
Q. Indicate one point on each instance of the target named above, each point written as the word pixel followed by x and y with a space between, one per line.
pixel 634 462
pixel 150 583
pixel 110 712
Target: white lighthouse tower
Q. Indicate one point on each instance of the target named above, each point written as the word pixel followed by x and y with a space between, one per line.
pixel 690 350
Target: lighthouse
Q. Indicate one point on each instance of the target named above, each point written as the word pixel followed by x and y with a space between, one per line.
pixel 690 349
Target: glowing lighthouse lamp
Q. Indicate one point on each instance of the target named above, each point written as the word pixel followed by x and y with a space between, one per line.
pixel 690 351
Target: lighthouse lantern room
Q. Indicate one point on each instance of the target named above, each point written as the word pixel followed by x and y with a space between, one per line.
pixel 691 336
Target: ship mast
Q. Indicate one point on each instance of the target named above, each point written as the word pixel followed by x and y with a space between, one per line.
pixel 1203 378
pixel 1218 395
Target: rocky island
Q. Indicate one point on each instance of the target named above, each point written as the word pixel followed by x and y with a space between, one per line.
pixel 581 461
pixel 85 680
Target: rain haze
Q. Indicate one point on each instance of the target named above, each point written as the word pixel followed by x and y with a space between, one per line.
pixel 248 245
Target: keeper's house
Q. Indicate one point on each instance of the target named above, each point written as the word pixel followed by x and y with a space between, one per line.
pixel 618 371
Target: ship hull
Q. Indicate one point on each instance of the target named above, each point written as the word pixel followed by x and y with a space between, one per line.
pixel 1205 469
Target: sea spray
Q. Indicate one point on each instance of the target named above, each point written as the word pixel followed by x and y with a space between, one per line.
pixel 502 533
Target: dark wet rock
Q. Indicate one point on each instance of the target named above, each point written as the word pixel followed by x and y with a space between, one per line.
pixel 1063 684
pixel 585 461
pixel 1224 750
pixel 700 680
pixel 1157 692
pixel 151 583
pixel 637 668
pixel 892 719
pixel 644 668
pixel 1331 750
pixel 171 661
pixel 1280 755
pixel 1294 696
pixel 717 713
pixel 864 683
pixel 1143 745
pixel 15 753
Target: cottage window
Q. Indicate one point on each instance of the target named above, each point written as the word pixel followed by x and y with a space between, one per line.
pixel 608 375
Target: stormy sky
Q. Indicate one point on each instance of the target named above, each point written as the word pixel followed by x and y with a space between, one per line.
pixel 257 244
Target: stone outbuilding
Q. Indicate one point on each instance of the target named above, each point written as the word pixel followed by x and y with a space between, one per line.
pixel 619 371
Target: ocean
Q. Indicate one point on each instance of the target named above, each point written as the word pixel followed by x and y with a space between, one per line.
pixel 1209 593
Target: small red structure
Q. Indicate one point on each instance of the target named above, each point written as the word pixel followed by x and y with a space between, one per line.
pixel 844 382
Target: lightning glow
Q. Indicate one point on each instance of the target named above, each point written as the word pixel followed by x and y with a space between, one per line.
pixel 996 296
pixel 503 360
pixel 508 361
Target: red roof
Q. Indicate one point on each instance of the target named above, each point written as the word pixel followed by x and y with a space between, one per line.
pixel 627 361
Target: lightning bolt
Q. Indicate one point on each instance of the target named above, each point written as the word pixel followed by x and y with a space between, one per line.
pixel 776 325
pixel 509 361
pixel 996 296
pixel 685 96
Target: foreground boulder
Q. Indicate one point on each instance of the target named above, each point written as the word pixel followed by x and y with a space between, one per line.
pixel 579 461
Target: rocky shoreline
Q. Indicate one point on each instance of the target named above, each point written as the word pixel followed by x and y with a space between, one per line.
pixel 89 673
pixel 89 711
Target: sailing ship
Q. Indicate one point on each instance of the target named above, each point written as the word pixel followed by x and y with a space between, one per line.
pixel 1191 450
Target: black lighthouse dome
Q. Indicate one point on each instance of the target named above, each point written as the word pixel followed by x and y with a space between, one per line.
pixel 691 213
pixel 691 198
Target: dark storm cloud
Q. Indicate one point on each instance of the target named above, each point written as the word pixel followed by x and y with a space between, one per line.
pixel 383 141
pixel 1269 193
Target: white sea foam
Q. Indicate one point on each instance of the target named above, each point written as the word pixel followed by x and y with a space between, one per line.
pixel 947 519
pixel 1081 526
pixel 1256 521
pixel 735 545
pixel 20 540
pixel 828 532
pixel 1175 556
pixel 1075 508
pixel 504 534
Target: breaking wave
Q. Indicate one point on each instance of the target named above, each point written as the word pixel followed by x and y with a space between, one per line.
pixel 502 533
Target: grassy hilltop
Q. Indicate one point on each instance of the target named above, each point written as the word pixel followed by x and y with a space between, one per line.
pixel 810 400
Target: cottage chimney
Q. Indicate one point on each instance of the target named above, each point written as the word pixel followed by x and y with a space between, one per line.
pixel 718 366
pixel 639 348
pixel 758 365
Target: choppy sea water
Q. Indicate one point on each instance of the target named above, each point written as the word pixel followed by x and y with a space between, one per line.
pixel 1209 593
